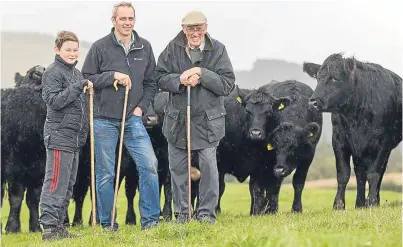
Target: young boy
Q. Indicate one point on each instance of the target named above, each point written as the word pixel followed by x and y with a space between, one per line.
pixel 65 132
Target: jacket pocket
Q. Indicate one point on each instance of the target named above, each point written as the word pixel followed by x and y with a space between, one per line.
pixel 215 123
pixel 172 124
pixel 70 122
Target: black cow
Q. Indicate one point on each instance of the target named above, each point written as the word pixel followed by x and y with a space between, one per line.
pixel 276 114
pixel 23 159
pixel 365 100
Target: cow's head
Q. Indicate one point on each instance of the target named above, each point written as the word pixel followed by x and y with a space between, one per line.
pixel 155 111
pixel 260 107
pixel 336 79
pixel 151 120
pixel 33 78
pixel 287 140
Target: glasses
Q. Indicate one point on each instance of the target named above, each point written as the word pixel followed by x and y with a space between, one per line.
pixel 195 29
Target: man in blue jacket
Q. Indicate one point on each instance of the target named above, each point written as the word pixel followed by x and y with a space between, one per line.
pixel 124 56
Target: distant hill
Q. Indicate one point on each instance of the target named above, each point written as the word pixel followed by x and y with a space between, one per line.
pixel 264 71
pixel 22 51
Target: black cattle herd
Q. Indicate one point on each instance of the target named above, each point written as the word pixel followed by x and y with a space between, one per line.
pixel 270 132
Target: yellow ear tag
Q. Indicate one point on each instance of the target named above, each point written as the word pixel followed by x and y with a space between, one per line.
pixel 310 134
pixel 281 106
pixel 115 84
pixel 239 99
pixel 269 147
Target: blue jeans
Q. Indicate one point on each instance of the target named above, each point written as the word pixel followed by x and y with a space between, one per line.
pixel 138 143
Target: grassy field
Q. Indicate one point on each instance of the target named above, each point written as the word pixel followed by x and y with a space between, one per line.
pixel 318 225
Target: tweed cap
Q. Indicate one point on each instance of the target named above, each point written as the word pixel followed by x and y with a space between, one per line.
pixel 194 18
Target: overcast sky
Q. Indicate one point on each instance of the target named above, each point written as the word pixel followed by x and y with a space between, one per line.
pixel 295 31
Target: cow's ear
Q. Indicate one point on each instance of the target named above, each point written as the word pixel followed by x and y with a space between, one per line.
pixel 241 96
pixel 313 131
pixel 311 69
pixel 281 103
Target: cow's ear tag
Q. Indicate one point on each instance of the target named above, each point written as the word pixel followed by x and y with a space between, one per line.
pixel 310 134
pixel 280 107
pixel 239 99
pixel 269 147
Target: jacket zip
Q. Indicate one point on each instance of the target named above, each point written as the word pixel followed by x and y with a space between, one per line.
pixel 131 49
pixel 127 55
pixel 82 117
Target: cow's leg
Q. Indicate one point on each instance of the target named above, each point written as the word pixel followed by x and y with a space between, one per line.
pixel 382 173
pixel 167 210
pixel 160 185
pixel 375 174
pixel 32 200
pixel 298 182
pixel 130 188
pixel 257 196
pixel 194 194
pixel 80 191
pixel 3 185
pixel 252 201
pixel 361 177
pixel 342 155
pixel 221 186
pixel 16 195
pixel 273 190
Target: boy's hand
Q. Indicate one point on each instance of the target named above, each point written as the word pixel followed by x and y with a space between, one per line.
pixel 90 84
pixel 87 85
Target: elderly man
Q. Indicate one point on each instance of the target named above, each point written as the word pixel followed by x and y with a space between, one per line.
pixel 195 59
pixel 125 56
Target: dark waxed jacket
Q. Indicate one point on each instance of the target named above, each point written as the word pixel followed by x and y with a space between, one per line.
pixel 207 112
pixel 66 125
pixel 105 57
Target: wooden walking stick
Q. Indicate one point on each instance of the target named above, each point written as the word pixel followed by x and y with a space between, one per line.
pixel 93 200
pixel 122 131
pixel 94 208
pixel 189 151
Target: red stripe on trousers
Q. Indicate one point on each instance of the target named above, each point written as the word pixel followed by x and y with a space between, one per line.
pixel 56 170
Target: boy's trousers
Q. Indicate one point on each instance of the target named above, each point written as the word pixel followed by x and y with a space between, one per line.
pixel 57 189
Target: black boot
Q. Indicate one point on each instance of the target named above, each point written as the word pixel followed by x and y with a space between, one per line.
pixel 51 233
pixel 58 232
pixel 65 234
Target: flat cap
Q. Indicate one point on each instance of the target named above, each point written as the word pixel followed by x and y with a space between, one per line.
pixel 194 18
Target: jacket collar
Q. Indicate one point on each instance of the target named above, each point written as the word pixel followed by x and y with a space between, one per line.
pixel 137 44
pixel 60 60
pixel 181 40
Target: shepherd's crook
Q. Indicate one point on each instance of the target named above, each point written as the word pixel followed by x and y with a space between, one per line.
pixel 122 131
pixel 93 200
pixel 189 150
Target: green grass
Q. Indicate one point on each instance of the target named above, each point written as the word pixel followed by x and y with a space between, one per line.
pixel 318 225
